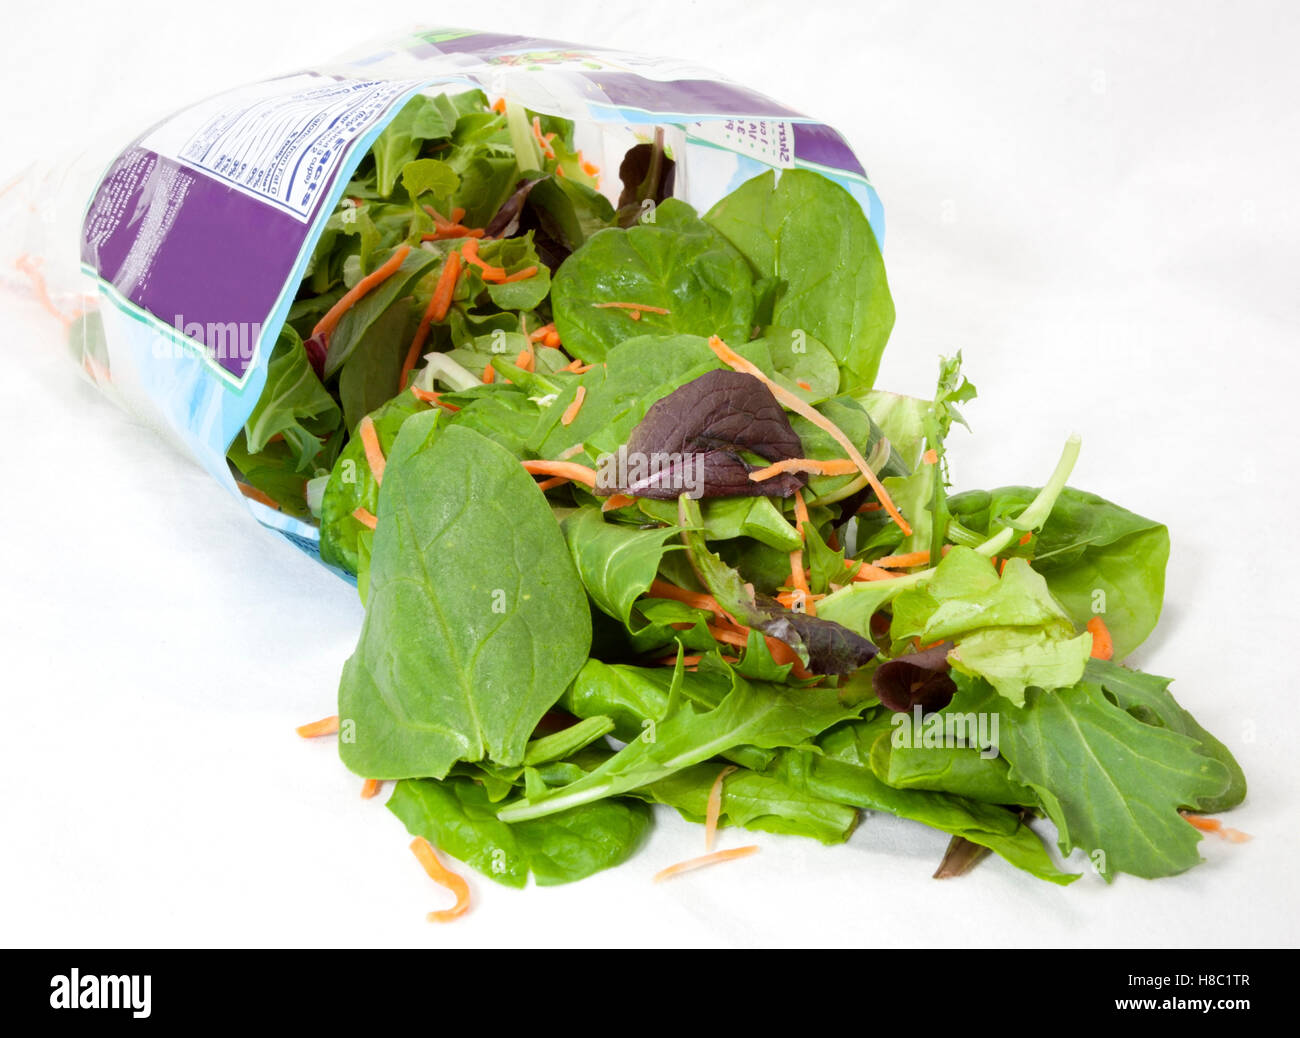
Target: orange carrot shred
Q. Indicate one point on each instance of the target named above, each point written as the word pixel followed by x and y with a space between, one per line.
pixel 571 412
pixel 617 501
pixel 805 386
pixel 253 494
pixel 499 106
pixel 1103 646
pixel 800 511
pixel 705 859
pixel 365 518
pixel 866 571
pixel 443 291
pixel 519 275
pixel 326 325
pixel 567 469
pixel 787 399
pixel 1215 827
pixel 432 398
pixel 930 457
pixel 542 332
pixel 371 788
pixel 552 339
pixel 325 726
pixel 833 467
pixel 489 375
pixel 714 809
pixel 1029 536
pixel 552 483
pixel 374 452
pixel 444 877
pixel 911 558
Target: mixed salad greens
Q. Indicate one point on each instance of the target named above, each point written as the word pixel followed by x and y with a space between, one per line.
pixel 633 526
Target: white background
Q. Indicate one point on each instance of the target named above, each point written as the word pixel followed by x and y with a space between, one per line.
pixel 1095 202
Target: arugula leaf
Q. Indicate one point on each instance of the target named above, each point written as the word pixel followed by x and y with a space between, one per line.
pixel 457 816
pixel 809 233
pixel 842 772
pixel 476 619
pixel 1110 783
pixel 678 263
pixel 1147 698
pixel 752 713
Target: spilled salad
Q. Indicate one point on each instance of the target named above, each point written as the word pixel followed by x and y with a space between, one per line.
pixel 633 526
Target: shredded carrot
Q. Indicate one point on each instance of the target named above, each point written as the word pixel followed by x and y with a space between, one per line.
pixel 800 512
pixel 325 726
pixel 444 877
pixel 798 580
pixel 571 412
pixel 552 483
pixel 577 367
pixel 617 501
pixel 365 518
pixel 705 859
pixel 911 558
pixel 787 399
pixel 788 598
pixel 326 325
pixel 930 457
pixel 805 386
pixel 432 398
pixel 371 788
pixel 542 332
pixel 1026 538
pixel 1002 565
pixel 694 599
pixel 567 469
pixel 870 506
pixel 552 339
pixel 1217 828
pixel 440 302
pixel 714 809
pixel 1103 646
pixel 833 467
pixel 632 306
pixel 866 571
pixel 374 452
pixel 31 267
pixel 519 275
pixel 634 314
pixel 489 374
pixel 253 494
pixel 499 106
pixel 571 452
pixel 452 230
pixel 543 140
pixel 489 273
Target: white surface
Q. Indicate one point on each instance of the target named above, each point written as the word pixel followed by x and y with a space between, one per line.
pixel 1097 203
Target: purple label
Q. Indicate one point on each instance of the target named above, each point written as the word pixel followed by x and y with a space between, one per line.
pixel 192 251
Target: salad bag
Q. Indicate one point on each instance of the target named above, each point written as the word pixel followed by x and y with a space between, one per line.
pixel 199 232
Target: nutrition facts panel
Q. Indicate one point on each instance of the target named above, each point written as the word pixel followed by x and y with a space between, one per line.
pixel 280 141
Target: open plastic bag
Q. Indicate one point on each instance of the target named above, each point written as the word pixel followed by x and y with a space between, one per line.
pixel 196 238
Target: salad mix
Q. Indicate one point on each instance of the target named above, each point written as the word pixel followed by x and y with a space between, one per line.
pixel 633 525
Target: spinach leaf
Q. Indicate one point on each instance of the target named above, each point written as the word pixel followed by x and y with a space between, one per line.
pixel 809 233
pixel 678 264
pixel 457 816
pixel 370 376
pixel 476 619
pixel 617 563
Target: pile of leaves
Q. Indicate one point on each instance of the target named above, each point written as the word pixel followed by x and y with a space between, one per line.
pixel 627 512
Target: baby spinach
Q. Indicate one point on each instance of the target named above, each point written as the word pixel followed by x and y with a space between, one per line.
pixel 809 233
pixel 677 264
pixel 476 618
